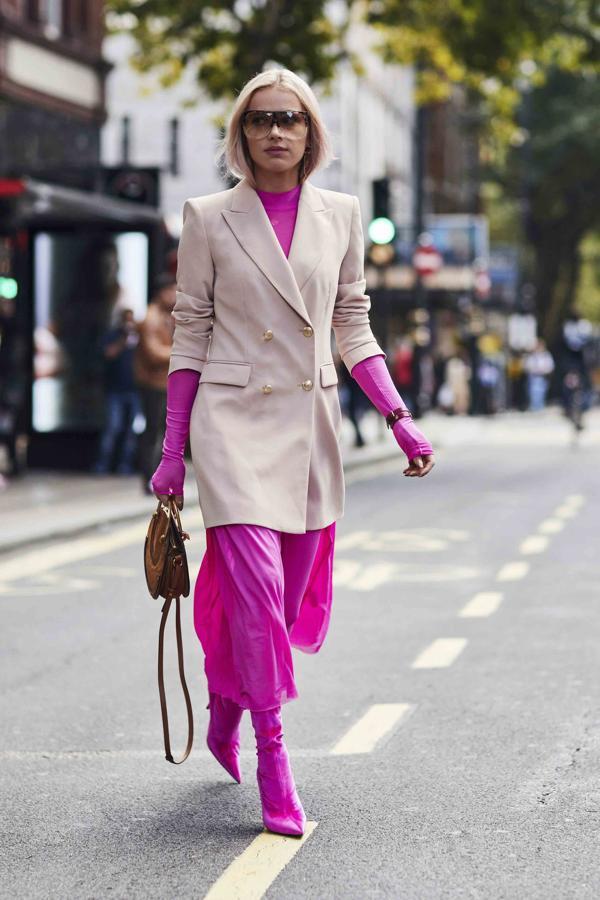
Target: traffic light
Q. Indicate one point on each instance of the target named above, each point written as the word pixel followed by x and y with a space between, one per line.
pixel 381 198
pixel 8 288
pixel 138 185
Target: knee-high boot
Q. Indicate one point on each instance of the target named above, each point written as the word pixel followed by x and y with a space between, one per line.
pixel 281 808
pixel 223 737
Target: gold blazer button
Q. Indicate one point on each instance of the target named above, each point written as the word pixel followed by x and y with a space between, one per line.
pixel 307 331
pixel 307 385
pixel 267 388
pixel 268 335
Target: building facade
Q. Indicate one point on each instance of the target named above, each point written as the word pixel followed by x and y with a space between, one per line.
pixel 52 75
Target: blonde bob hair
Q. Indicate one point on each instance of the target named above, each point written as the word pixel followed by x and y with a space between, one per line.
pixel 233 154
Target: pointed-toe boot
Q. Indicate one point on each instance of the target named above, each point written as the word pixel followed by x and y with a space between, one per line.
pixel 282 810
pixel 223 736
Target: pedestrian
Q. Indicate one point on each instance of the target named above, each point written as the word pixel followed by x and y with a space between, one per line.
pixel 354 406
pixel 403 359
pixel 539 365
pixel 265 269
pixel 151 368
pixel 121 396
pixel 457 380
pixel 574 367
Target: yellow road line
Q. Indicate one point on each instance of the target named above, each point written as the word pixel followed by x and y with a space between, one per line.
pixel 535 543
pixel 483 604
pixel 513 571
pixel 439 654
pixel 34 562
pixel 252 873
pixel 377 722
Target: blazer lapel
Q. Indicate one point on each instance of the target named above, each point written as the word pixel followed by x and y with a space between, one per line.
pixel 249 222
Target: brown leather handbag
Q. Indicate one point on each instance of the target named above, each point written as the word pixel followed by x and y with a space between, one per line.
pixel 167 575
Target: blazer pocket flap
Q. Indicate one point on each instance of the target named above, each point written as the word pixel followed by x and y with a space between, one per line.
pixel 216 372
pixel 329 375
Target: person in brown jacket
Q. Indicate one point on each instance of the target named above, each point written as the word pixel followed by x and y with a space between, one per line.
pixel 151 366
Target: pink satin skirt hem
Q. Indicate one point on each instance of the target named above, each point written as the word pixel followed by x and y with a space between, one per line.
pixel 260 592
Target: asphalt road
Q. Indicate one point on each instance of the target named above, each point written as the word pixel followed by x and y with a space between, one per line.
pixel 440 754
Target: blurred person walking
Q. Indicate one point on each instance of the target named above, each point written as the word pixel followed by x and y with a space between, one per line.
pixel 573 367
pixel 403 358
pixel 151 368
pixel 121 395
pixel 539 365
pixel 354 403
pixel 457 378
pixel 265 270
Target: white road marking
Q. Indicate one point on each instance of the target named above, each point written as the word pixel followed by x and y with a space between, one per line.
pixel 349 541
pixel 378 722
pixel 252 873
pixel 33 562
pixel 345 571
pixel 441 653
pixel 551 526
pixel 566 511
pixel 416 540
pixel 535 543
pixel 375 575
pixel 513 571
pixel 483 604
pixel 575 500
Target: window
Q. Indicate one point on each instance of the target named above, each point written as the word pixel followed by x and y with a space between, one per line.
pixel 75 17
pixel 53 18
pixel 32 10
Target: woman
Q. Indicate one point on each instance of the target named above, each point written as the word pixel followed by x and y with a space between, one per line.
pixel 265 270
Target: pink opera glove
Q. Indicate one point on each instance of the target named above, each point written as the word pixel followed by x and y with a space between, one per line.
pixel 375 380
pixel 182 386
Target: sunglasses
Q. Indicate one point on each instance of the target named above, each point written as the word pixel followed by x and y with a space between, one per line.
pixel 257 123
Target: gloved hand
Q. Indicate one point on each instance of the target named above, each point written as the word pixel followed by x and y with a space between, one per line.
pixel 373 377
pixel 169 477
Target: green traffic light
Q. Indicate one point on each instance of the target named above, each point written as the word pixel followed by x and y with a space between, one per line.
pixel 8 288
pixel 382 230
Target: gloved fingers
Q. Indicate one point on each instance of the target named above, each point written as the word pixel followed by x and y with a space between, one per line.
pixel 419 466
pixel 165 498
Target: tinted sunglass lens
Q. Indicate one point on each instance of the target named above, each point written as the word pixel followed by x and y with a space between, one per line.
pixel 258 124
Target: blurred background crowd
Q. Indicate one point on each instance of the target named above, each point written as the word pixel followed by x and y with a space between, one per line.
pixel 472 141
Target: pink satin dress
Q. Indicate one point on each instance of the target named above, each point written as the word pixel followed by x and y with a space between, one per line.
pixel 260 591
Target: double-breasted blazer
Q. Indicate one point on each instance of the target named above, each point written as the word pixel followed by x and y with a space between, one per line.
pixel 266 420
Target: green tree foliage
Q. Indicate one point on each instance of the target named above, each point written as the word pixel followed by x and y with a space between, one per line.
pixel 488 46
pixel 227 43
pixel 557 173
pixel 530 71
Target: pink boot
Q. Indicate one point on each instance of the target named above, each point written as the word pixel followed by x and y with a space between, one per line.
pixel 223 737
pixel 281 808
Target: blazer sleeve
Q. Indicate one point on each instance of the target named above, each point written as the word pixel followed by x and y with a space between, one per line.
pixel 193 310
pixel 351 326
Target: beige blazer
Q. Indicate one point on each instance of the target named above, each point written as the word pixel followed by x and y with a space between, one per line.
pixel 266 421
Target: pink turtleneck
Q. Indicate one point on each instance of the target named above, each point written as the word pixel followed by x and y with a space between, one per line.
pixel 282 208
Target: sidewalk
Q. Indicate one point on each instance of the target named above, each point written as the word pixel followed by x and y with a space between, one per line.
pixel 47 505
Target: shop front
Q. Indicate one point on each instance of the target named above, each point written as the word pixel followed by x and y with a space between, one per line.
pixel 70 261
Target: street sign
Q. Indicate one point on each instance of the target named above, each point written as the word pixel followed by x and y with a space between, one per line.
pixel 426 258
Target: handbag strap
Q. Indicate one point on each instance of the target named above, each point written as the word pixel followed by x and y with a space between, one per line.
pixel 161 682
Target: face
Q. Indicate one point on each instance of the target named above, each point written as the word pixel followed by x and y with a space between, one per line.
pixel 292 141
